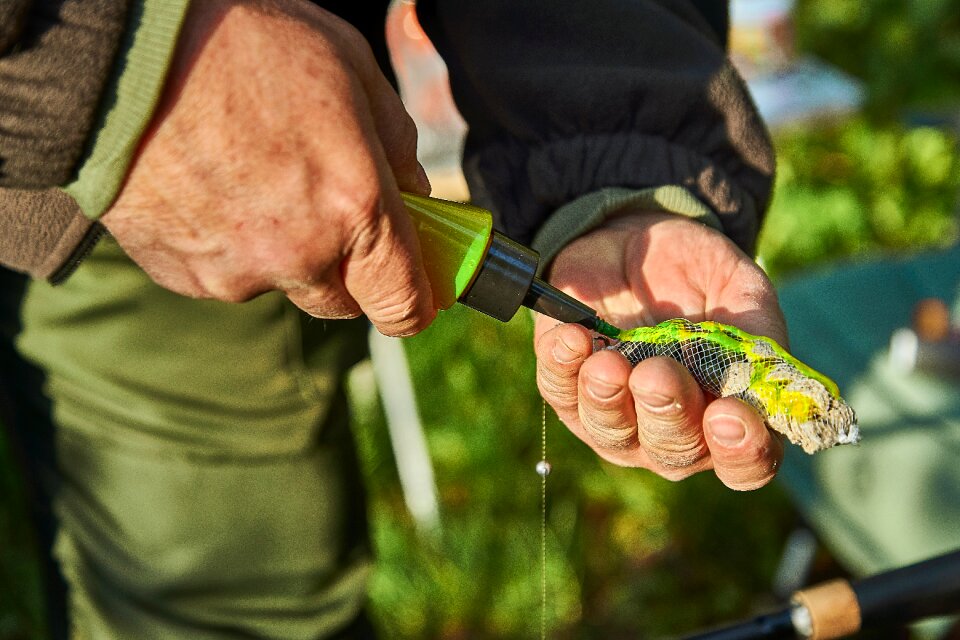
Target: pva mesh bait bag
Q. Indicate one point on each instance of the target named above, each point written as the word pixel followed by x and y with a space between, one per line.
pixel 795 400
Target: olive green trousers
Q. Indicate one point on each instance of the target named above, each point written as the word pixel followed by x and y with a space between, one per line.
pixel 206 483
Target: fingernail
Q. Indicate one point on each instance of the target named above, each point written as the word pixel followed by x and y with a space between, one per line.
pixel 727 430
pixel 562 352
pixel 652 399
pixel 602 389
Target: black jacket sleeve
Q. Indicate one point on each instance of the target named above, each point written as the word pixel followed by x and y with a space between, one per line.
pixel 564 97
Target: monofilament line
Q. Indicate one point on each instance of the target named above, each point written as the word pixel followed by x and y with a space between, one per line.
pixel 543 468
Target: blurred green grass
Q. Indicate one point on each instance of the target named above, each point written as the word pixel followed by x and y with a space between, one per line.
pixel 859 188
pixel 628 554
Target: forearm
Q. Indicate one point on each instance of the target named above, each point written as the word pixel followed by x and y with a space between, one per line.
pixel 567 99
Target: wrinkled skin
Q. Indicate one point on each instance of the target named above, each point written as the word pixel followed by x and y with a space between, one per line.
pixel 643 268
pixel 274 162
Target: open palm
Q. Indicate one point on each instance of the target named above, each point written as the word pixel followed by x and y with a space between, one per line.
pixel 640 269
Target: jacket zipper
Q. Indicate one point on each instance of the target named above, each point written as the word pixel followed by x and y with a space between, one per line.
pixel 79 254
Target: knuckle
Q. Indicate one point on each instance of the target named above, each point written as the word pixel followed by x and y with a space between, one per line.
pixel 225 288
pixel 353 211
pixel 363 221
pixel 401 317
pixel 672 447
pixel 408 129
pixel 235 296
pixel 557 358
pixel 608 434
pixel 554 386
pixel 230 292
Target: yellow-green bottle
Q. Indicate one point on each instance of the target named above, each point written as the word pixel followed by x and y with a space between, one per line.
pixel 468 262
pixel 454 238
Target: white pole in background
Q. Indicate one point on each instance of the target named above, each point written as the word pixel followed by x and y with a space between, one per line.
pixel 392 374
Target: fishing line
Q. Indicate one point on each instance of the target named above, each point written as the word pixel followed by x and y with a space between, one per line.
pixel 543 470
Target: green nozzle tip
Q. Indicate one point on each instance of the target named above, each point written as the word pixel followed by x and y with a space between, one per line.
pixel 607 329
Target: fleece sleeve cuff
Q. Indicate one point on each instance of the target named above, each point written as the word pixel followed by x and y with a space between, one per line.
pixel 129 102
pixel 589 211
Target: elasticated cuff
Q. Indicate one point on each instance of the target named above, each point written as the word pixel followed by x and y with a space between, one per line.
pixel 525 186
pixel 129 102
pixel 587 212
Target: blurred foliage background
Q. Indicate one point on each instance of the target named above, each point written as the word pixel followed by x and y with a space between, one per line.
pixel 628 555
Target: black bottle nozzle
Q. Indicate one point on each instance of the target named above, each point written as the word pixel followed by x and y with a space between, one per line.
pixel 507 280
pixel 550 301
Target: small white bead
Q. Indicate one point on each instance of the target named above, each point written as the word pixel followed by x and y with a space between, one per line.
pixel 543 468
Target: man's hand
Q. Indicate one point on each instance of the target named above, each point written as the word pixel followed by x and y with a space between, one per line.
pixel 274 162
pixel 643 269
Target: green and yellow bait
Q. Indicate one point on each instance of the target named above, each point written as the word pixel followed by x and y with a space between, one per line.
pixel 794 399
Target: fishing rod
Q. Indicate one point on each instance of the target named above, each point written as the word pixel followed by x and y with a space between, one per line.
pixel 839 608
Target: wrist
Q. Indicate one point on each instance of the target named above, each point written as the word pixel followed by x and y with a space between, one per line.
pixel 595 209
